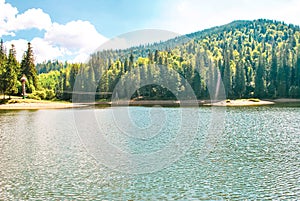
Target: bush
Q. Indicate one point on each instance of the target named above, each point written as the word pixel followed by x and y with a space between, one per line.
pixel 33 96
pixel 50 94
pixel 41 94
pixel 47 94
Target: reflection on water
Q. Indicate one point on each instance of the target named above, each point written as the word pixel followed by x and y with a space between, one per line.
pixel 42 157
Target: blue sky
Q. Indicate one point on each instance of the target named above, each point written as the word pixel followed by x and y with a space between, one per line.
pixel 110 17
pixel 72 29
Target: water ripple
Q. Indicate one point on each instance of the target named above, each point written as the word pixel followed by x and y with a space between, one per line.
pixel 41 158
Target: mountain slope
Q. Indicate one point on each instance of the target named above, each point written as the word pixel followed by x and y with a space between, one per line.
pixel 259 58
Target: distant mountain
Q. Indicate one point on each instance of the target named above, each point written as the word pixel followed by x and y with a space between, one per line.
pixel 259 58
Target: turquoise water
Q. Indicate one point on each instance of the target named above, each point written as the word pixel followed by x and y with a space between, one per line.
pixel 257 156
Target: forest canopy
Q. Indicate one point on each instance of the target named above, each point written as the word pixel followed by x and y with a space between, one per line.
pixel 259 58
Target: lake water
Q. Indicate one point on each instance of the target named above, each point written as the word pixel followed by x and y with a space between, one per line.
pixel 46 154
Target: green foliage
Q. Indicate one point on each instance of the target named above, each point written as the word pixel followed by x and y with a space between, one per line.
pixel 294 92
pixel 260 80
pixel 9 71
pixel 47 94
pixel 34 96
pixel 239 83
pixel 50 94
pixel 49 80
pixel 254 59
pixel 29 70
pixel 3 61
pixel 259 58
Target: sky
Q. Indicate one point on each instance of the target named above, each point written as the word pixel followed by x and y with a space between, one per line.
pixel 72 29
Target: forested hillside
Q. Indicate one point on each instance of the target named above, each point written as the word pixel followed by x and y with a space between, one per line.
pixel 258 58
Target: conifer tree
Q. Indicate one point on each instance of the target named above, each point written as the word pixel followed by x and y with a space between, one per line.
pixel 240 85
pixel 259 91
pixel 227 76
pixel 11 73
pixel 3 60
pixel 28 69
pixel 273 75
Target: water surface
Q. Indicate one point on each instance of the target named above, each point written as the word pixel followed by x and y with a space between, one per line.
pixel 256 157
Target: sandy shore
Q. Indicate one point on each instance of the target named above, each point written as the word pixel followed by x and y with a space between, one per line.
pixel 35 105
pixel 242 102
pixel 38 105
pixel 171 103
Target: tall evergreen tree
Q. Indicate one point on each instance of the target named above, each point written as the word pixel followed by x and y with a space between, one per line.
pixel 196 84
pixel 28 69
pixel 131 60
pixel 281 80
pixel 259 79
pixel 297 72
pixel 3 61
pixel 11 73
pixel 239 84
pixel 227 76
pixel 73 73
pixel 90 82
pixel 273 75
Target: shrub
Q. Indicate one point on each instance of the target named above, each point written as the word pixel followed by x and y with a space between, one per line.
pixel 47 94
pixel 41 94
pixel 33 96
pixel 50 94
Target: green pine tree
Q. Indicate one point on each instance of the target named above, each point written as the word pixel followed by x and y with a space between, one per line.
pixel 3 61
pixel 259 90
pixel 227 76
pixel 240 78
pixel 11 73
pixel 29 70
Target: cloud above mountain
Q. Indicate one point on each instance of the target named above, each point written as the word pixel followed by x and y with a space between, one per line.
pixel 74 40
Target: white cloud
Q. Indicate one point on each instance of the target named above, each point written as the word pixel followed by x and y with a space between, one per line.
pixel 80 38
pixel 44 51
pixel 11 21
pixel 20 46
pixel 32 18
pixel 76 39
pixel 75 35
pixel 7 13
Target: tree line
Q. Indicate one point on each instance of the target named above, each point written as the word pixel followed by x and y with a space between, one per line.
pixel 11 71
pixel 259 58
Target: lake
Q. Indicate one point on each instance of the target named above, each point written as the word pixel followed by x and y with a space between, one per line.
pixel 150 153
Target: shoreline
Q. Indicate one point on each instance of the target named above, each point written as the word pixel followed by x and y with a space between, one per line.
pixel 241 102
pixel 36 105
pixel 286 100
pixel 30 104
